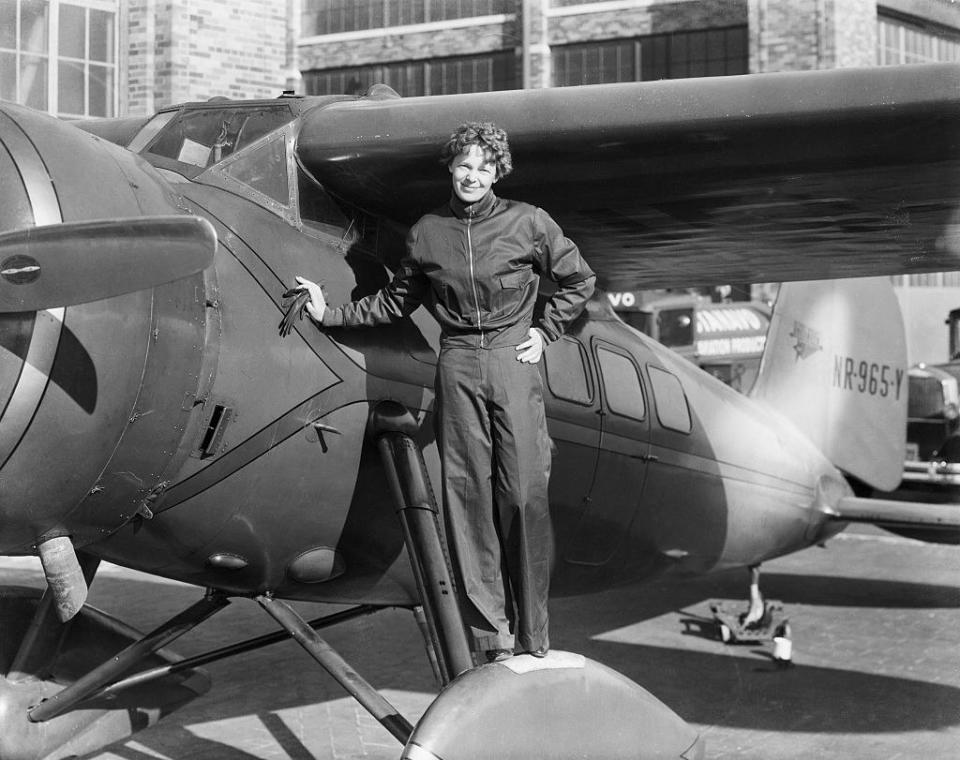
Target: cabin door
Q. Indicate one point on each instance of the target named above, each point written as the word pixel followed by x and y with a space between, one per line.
pixel 623 452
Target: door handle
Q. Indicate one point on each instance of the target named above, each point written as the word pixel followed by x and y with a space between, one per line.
pixel 650 458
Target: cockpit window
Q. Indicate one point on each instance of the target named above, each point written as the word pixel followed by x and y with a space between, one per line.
pixel 317 209
pixel 264 168
pixel 247 149
pixel 205 136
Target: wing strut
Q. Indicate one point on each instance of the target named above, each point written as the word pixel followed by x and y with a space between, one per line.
pixel 92 682
pixel 358 687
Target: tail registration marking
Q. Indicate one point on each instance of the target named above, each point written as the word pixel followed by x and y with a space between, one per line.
pixel 869 378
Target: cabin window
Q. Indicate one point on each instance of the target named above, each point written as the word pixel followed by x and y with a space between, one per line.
pixel 673 412
pixel 621 384
pixel 565 362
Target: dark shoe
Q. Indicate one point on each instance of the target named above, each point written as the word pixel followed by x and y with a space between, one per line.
pixel 541 652
pixel 498 655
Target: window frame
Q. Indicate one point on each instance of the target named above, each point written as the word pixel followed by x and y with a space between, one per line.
pixel 49 60
pixel 327 17
pixel 418 77
pixel 654 56
pixel 611 348
pixel 587 373
pixel 657 397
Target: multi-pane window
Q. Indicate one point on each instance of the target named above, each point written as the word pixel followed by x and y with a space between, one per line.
pixel 59 56
pixel 703 53
pixel 336 16
pixel 900 41
pixel 444 76
pixel 87 63
pixel 24 51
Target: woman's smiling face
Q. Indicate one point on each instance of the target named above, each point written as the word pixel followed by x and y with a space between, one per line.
pixel 473 174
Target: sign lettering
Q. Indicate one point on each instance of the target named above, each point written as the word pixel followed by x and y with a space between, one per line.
pixel 625 299
pixel 752 344
pixel 869 378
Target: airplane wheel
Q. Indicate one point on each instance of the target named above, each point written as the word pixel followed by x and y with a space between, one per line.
pixel 725 634
pixel 498 711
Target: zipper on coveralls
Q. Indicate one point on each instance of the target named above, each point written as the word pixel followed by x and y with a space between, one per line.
pixel 473 279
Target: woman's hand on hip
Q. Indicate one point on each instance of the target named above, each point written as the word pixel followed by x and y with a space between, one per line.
pixel 531 349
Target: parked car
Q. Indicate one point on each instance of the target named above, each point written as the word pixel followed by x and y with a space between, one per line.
pixel 933 412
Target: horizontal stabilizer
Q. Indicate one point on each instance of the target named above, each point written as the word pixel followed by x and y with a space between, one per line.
pixel 66 264
pixel 899 514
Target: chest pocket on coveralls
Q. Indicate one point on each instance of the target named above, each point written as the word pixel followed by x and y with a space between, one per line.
pixel 511 289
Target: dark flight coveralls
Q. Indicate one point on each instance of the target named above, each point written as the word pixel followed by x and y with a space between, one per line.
pixel 477 267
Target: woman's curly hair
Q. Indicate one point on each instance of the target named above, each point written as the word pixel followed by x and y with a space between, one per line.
pixel 485 134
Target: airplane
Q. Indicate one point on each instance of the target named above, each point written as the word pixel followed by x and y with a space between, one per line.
pixel 152 417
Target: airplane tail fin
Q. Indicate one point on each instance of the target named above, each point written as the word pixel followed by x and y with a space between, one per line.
pixel 835 364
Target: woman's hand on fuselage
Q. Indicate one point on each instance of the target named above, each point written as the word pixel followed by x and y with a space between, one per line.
pixel 531 349
pixel 317 303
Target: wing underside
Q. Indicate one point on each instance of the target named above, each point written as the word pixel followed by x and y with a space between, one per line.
pixel 770 177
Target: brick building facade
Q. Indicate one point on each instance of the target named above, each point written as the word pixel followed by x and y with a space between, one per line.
pixel 197 49
pixel 437 47
pixel 131 57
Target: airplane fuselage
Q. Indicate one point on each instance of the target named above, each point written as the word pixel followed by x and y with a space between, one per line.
pixel 174 432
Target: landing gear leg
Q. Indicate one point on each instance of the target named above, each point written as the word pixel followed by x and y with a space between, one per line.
pixel 42 642
pixel 755 610
pixel 393 427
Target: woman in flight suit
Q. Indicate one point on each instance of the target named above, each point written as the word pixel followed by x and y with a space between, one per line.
pixel 476 263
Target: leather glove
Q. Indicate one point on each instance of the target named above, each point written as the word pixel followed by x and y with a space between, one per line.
pixel 295 310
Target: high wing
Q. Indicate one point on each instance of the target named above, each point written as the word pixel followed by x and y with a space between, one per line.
pixel 772 177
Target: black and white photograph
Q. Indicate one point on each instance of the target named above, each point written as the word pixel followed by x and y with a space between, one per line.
pixel 479 379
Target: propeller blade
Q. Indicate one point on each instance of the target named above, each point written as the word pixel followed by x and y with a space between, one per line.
pixel 77 262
